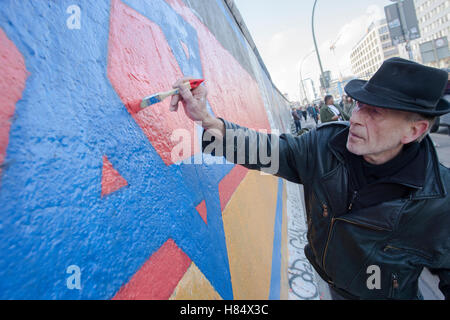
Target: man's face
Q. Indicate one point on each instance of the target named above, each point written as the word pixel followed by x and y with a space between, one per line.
pixel 376 130
pixel 330 101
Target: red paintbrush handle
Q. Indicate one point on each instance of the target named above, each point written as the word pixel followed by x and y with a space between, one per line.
pixel 195 83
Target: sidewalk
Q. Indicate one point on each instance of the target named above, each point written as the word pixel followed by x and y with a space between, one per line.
pixel 309 124
pixel 304 282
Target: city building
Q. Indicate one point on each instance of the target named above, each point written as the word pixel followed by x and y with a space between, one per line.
pixel 337 86
pixel 434 24
pixel 375 47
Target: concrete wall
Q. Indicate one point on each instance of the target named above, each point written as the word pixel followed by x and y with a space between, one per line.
pixel 93 204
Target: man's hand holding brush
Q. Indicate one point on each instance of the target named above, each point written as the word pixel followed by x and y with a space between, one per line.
pixel 194 103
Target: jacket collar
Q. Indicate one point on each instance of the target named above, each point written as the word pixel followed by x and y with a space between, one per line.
pixel 433 187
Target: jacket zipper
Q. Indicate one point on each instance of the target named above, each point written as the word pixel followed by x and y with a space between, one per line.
pixel 355 195
pixel 394 285
pixel 333 220
pixel 386 248
pixel 326 246
pixel 391 247
pixel 362 225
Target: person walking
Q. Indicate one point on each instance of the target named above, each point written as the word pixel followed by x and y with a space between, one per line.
pixel 304 113
pixel 297 120
pixel 349 105
pixel 314 114
pixel 377 198
pixel 299 112
pixel 309 111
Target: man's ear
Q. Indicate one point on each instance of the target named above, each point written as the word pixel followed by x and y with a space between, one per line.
pixel 416 129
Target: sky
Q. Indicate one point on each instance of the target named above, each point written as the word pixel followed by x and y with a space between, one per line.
pixel 282 32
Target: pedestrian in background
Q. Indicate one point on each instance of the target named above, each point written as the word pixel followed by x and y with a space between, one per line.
pixel 299 112
pixel 317 113
pixel 304 113
pixel 349 105
pixel 309 110
pixel 314 114
pixel 332 112
pixel 298 124
pixel 343 100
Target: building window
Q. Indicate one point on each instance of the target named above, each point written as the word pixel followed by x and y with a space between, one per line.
pixel 383 30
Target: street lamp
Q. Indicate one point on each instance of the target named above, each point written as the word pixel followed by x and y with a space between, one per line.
pixel 301 77
pixel 315 45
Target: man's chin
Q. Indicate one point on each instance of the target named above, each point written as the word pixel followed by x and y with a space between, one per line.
pixel 354 148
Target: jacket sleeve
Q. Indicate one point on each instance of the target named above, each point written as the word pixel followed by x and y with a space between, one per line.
pixel 325 115
pixel 284 156
pixel 345 115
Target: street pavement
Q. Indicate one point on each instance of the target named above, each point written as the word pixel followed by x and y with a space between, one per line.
pixel 428 283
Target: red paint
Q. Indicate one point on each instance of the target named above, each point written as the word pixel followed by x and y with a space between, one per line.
pixel 201 208
pixel 12 83
pixel 158 277
pixel 111 178
pixel 232 93
pixel 195 83
pixel 229 184
pixel 141 62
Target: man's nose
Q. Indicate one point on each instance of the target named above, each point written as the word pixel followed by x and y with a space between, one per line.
pixel 357 116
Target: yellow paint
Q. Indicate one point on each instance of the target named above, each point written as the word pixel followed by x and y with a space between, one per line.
pixel 194 286
pixel 249 230
pixel 284 286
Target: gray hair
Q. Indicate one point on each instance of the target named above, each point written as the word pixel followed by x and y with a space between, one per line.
pixel 413 117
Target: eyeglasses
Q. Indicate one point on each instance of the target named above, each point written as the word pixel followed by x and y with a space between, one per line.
pixel 374 111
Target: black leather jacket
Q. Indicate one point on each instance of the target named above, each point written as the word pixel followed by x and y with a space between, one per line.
pixel 401 237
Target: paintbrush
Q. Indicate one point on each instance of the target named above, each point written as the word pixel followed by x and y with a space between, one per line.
pixel 158 97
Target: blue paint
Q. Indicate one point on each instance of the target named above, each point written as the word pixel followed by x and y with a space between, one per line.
pixel 153 100
pixel 176 30
pixel 69 117
pixel 275 280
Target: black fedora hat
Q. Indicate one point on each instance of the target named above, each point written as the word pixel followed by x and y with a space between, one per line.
pixel 403 85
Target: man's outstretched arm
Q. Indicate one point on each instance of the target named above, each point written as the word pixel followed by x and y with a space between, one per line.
pixel 284 156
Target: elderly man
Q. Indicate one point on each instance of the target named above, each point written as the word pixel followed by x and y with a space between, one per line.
pixel 376 196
